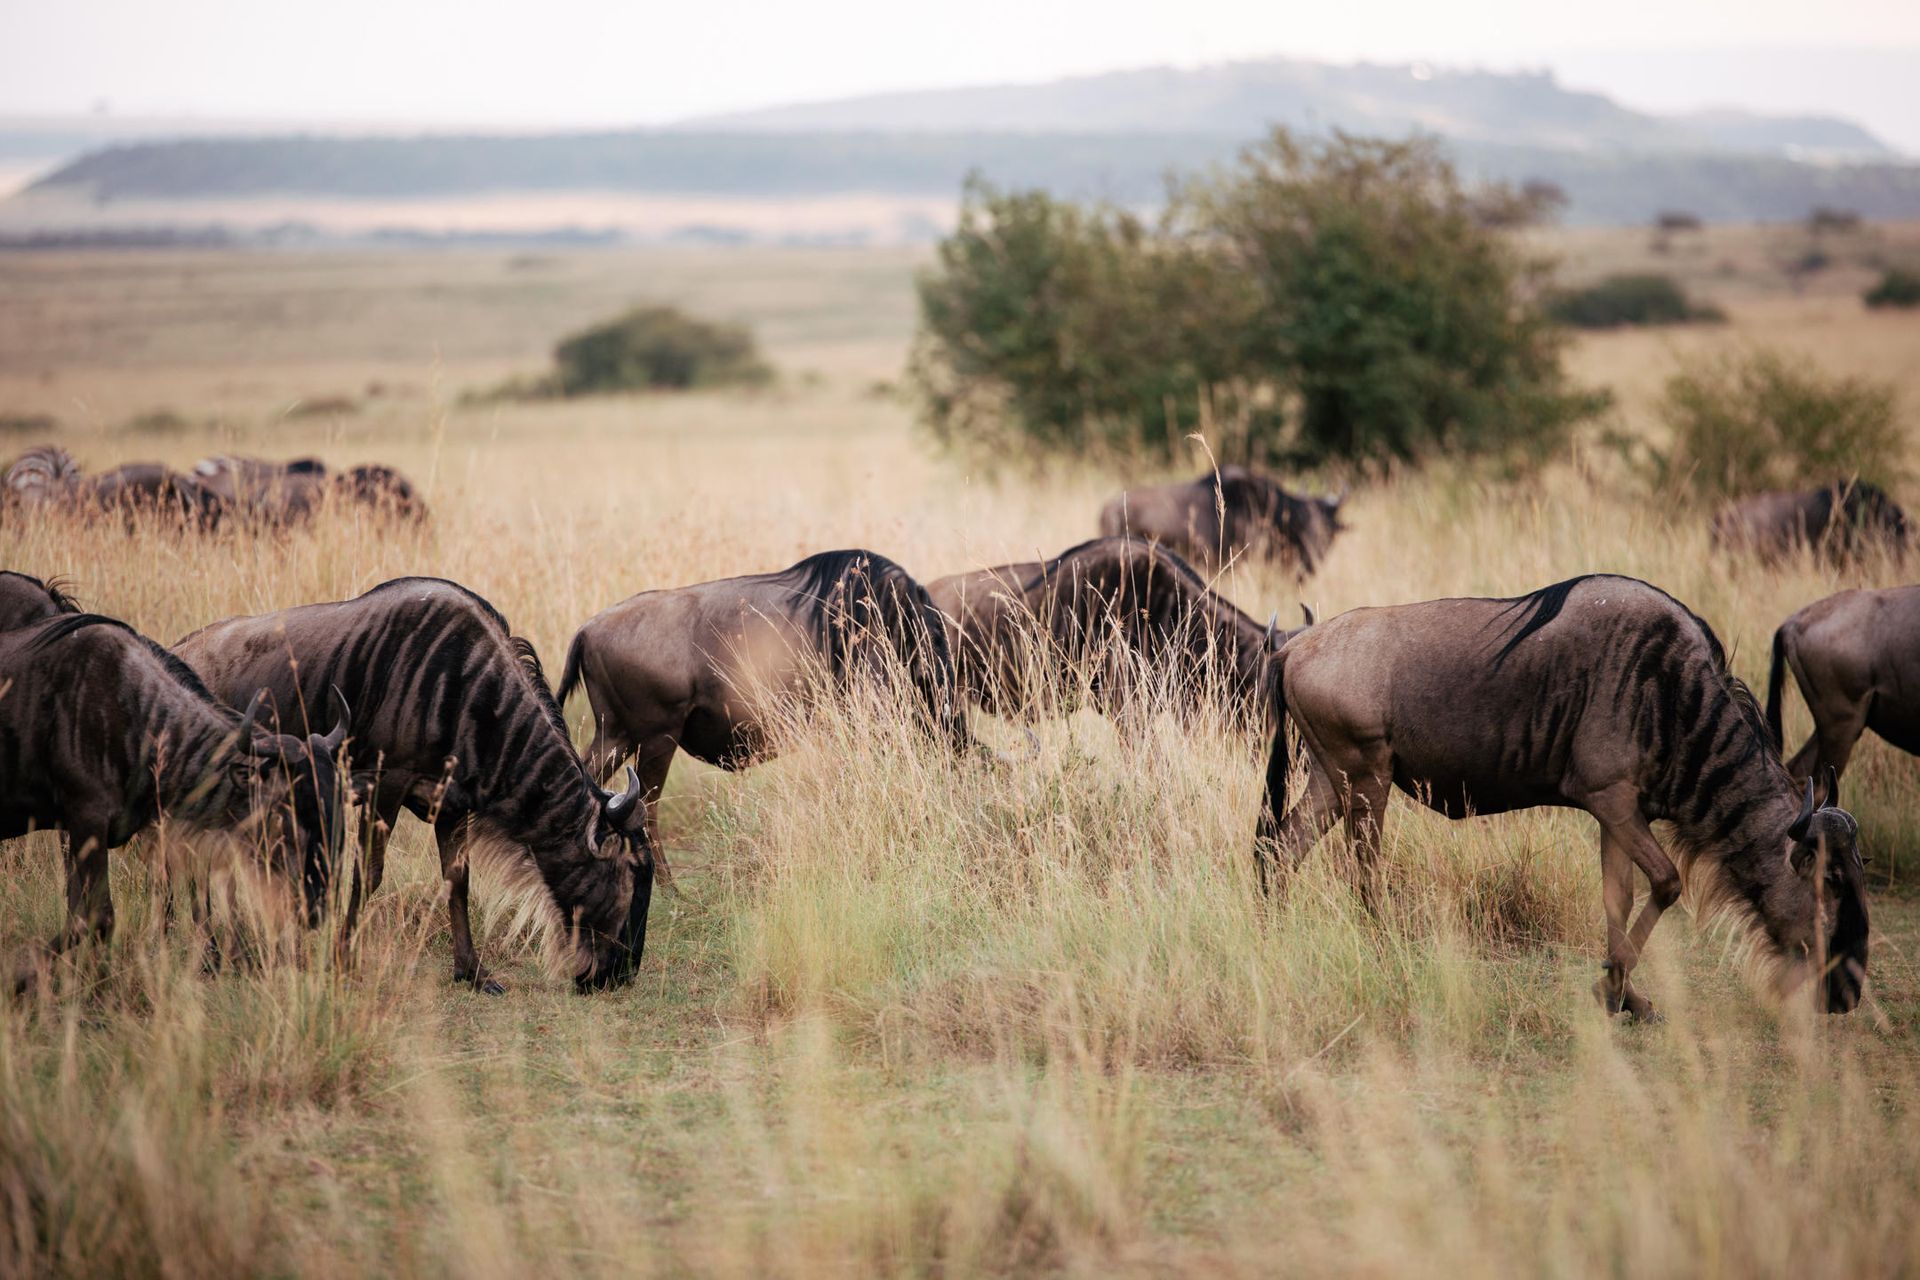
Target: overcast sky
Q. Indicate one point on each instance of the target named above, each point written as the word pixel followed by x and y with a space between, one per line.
pixel 533 63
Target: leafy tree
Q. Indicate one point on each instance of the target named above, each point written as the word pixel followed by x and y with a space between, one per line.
pixel 1340 299
pixel 654 347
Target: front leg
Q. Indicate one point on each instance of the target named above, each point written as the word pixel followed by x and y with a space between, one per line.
pixel 1627 842
pixel 450 832
pixel 83 851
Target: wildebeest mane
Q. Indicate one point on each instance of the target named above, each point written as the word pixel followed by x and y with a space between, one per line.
pixel 522 649
pixel 1539 608
pixel 57 629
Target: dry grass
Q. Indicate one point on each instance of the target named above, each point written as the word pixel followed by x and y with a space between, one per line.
pixel 909 1014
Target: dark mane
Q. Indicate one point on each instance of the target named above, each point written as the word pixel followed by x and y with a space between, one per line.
pixel 57 629
pixel 58 590
pixel 1540 608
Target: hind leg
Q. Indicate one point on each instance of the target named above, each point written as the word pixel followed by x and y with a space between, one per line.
pixel 1615 990
pixel 1295 835
pixel 655 761
pixel 1367 795
pixel 1836 731
pixel 89 903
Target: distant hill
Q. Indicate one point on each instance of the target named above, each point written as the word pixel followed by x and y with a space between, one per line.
pixel 1114 137
pixel 1530 109
pixel 1602 186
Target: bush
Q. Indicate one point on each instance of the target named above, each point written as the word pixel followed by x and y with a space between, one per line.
pixel 652 348
pixel 1764 420
pixel 1898 287
pixel 1340 299
pixel 1620 300
pixel 20 424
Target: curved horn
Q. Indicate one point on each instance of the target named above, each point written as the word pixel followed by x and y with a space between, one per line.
pixel 617 806
pixel 1798 831
pixel 1306 613
pixel 342 717
pixel 243 732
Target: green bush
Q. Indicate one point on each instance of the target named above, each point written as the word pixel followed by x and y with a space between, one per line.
pixel 652 348
pixel 1621 300
pixel 1765 420
pixel 1339 299
pixel 1898 287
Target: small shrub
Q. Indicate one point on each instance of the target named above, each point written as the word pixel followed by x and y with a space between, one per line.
pixel 655 348
pixel 23 424
pixel 1676 220
pixel 332 406
pixel 1765 420
pixel 1622 300
pixel 1898 287
pixel 1826 218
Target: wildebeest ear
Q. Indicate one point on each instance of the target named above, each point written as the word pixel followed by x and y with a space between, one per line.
pixel 1306 614
pixel 1798 831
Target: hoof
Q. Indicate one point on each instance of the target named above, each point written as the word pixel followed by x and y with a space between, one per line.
pixel 1606 999
pixel 483 982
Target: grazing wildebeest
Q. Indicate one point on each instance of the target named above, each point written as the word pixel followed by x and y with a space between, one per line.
pixel 285 493
pixel 25 600
pixel 1856 658
pixel 707 668
pixel 268 492
pixel 1839 521
pixel 102 731
pixel 1112 611
pixel 149 487
pixel 1600 693
pixel 40 476
pixel 382 488
pixel 1226 513
pixel 453 721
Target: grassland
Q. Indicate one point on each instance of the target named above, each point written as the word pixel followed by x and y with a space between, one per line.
pixel 907 1014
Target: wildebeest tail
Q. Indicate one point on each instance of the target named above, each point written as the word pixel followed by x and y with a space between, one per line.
pixel 1273 802
pixel 1776 689
pixel 570 670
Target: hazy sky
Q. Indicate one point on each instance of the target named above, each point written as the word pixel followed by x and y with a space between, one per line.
pixel 546 62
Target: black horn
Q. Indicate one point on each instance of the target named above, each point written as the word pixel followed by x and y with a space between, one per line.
pixel 243 732
pixel 1798 830
pixel 617 806
pixel 342 717
pixel 1833 787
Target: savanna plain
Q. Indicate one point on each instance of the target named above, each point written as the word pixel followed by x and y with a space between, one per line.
pixel 906 1013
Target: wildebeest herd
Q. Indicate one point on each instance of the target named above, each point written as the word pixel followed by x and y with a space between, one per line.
pixel 1600 693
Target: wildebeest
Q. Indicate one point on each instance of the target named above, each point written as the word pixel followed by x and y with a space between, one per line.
pixel 1838 521
pixel 1226 513
pixel 706 668
pixel 1111 611
pixel 286 493
pixel 42 475
pixel 25 600
pixel 102 731
pixel 453 721
pixel 1601 693
pixel 1856 658
pixel 149 487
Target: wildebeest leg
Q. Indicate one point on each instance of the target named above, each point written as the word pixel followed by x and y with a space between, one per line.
pixel 89 903
pixel 376 826
pixel 656 759
pixel 1366 816
pixel 450 831
pixel 611 744
pixel 1623 828
pixel 1614 991
pixel 1836 731
pixel 1301 829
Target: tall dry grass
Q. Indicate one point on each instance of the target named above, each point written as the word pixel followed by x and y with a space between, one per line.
pixel 913 1014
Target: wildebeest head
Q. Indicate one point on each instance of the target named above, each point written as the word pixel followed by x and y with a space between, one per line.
pixel 382 488
pixel 610 922
pixel 295 787
pixel 1817 914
